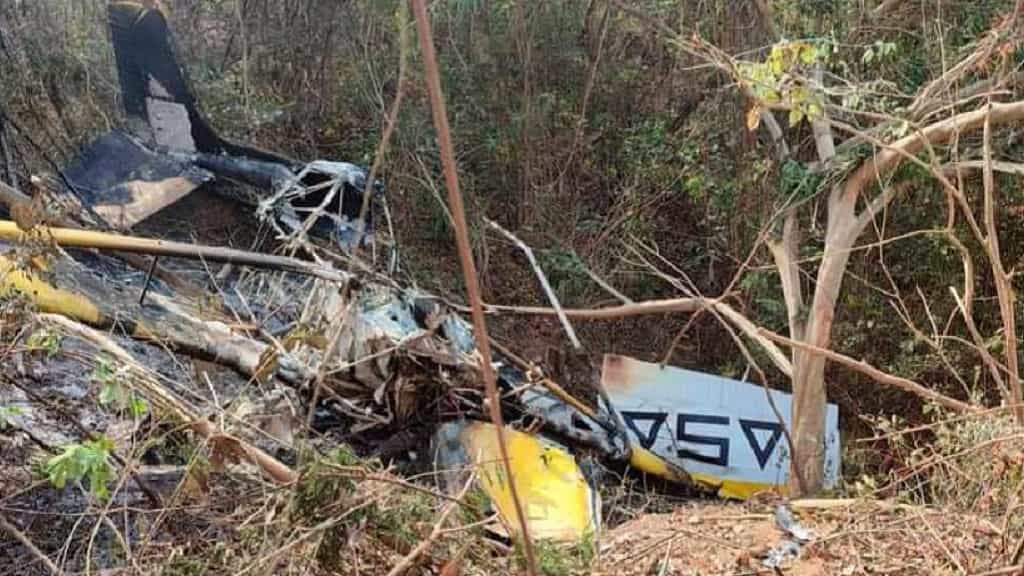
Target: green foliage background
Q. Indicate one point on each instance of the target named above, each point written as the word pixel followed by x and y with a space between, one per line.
pixel 656 154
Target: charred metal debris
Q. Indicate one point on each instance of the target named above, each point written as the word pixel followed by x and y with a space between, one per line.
pixel 392 367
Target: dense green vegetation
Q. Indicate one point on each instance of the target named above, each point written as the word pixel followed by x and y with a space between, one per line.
pixel 614 138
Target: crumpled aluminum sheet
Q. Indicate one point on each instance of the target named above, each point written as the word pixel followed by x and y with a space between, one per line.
pixel 382 325
pixel 789 549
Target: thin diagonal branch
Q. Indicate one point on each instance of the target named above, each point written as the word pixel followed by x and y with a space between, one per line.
pixel 875 374
pixel 18 535
pixel 444 137
pixel 542 278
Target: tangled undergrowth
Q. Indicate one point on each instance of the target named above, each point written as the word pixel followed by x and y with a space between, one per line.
pixel 615 149
pixel 972 464
pixel 953 490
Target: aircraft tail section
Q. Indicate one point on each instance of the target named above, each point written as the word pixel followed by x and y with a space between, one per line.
pixel 158 99
pixel 156 95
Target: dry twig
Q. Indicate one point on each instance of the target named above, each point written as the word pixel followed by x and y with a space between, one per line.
pixel 409 559
pixel 543 281
pixel 18 535
pixel 694 304
pixel 433 77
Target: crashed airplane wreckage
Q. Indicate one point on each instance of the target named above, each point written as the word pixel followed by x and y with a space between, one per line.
pixel 357 344
pixel 170 150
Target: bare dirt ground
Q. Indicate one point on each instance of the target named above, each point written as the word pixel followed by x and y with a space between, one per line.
pixel 867 537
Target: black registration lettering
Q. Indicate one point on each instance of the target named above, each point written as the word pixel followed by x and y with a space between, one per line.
pixel 763 453
pixel 722 459
pixel 657 419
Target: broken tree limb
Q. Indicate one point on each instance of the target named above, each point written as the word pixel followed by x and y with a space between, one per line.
pixel 1015 168
pixel 66 288
pixel 543 281
pixel 875 374
pixel 148 385
pixel 18 535
pixel 670 305
pixel 444 140
pixel 74 238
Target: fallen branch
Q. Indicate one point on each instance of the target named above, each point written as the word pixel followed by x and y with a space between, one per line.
pixel 693 304
pixel 875 373
pixel 150 387
pixel 1006 570
pixel 20 537
pixel 74 238
pixel 1015 168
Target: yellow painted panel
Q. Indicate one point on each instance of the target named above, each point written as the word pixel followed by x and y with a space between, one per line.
pixel 557 501
pixel 650 463
pixel 736 489
pixel 46 296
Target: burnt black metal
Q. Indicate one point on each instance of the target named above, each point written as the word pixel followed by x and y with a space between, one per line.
pixel 103 169
pixel 170 137
pixel 258 173
pixel 144 51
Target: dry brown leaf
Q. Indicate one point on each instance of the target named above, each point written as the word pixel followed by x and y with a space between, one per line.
pixel 754 117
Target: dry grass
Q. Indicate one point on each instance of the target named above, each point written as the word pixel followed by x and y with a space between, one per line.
pixel 867 537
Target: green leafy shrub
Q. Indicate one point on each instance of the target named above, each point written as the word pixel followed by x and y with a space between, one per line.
pixel 114 389
pixel 6 413
pixel 89 460
pixel 46 340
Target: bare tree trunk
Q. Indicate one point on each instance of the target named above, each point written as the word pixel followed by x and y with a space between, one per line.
pixel 845 225
pixel 764 7
pixel 527 202
pixel 810 399
pixel 809 396
pixel 784 251
pixel 1003 281
pixel 8 158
